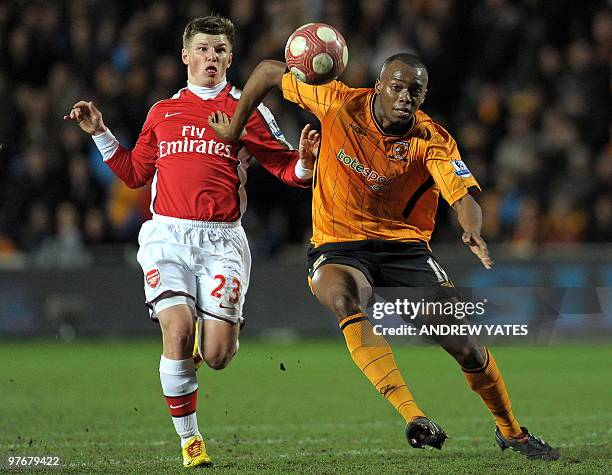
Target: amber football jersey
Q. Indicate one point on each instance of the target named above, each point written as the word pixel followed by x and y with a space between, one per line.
pixel 372 185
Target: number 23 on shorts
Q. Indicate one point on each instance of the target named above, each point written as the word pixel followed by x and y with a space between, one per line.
pixel 218 291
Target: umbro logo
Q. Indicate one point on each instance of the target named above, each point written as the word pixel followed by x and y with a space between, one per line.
pixel 170 114
pixel 358 129
pixel 385 389
pixel 318 262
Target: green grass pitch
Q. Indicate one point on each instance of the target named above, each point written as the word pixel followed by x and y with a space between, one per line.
pixel 98 406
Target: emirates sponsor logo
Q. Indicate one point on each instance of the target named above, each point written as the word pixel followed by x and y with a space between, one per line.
pixel 193 141
pixel 153 278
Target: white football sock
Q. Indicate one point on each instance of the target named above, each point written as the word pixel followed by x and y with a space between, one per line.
pixel 178 378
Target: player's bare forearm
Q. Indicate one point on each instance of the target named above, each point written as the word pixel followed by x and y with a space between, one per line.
pixel 264 77
pixel 469 214
pixel 470 219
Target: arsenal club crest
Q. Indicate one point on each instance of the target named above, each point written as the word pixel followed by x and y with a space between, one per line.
pixel 153 278
pixel 399 151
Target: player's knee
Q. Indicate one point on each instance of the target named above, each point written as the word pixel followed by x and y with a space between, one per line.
pixel 220 359
pixel 218 363
pixel 344 304
pixel 177 326
pixel 468 357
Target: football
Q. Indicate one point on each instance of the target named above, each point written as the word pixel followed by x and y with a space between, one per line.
pixel 316 53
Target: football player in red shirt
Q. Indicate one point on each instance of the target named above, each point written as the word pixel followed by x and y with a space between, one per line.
pixel 194 253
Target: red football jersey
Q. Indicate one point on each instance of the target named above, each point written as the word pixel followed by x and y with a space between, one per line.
pixel 195 175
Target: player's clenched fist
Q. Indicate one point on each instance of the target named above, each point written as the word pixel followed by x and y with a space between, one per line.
pixel 88 117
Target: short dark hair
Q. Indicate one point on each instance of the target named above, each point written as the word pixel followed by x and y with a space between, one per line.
pixel 211 25
pixel 406 58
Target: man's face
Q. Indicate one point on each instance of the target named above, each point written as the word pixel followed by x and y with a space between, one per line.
pixel 401 90
pixel 207 58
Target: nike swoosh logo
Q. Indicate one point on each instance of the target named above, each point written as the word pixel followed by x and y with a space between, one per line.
pixel 180 405
pixel 170 114
pixel 223 306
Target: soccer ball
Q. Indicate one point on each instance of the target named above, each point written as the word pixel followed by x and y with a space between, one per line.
pixel 316 53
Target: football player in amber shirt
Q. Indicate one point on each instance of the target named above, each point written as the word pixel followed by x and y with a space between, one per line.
pixel 381 167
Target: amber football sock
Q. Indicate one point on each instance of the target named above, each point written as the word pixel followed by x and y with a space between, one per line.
pixel 373 355
pixel 488 383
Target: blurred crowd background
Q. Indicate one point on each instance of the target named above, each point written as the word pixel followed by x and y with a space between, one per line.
pixel 523 86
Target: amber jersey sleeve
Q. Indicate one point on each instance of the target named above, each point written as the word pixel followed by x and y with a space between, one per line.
pixel 369 184
pixel 315 99
pixel 448 171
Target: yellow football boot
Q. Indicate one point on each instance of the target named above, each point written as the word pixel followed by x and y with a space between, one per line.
pixel 194 453
pixel 198 359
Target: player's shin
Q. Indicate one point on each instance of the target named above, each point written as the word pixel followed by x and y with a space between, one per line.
pixel 180 387
pixel 488 383
pixel 374 357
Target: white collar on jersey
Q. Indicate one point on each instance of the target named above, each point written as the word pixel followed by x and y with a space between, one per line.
pixel 204 92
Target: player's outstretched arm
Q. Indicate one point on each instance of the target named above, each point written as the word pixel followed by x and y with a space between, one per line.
pixel 89 118
pixel 266 75
pixel 470 219
pixel 134 167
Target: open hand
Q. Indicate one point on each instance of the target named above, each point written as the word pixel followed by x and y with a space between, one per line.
pixel 310 140
pixel 88 117
pixel 479 247
pixel 221 124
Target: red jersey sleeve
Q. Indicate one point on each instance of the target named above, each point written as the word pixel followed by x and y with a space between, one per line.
pixel 266 142
pixel 136 167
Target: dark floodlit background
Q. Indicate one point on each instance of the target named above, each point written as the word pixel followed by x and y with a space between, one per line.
pixel 524 87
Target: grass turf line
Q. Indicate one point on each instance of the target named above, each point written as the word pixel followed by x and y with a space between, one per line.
pixel 99 407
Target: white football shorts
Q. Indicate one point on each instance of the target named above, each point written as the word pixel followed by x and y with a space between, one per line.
pixel 203 264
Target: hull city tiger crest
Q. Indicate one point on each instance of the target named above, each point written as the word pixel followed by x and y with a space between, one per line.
pixel 399 151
